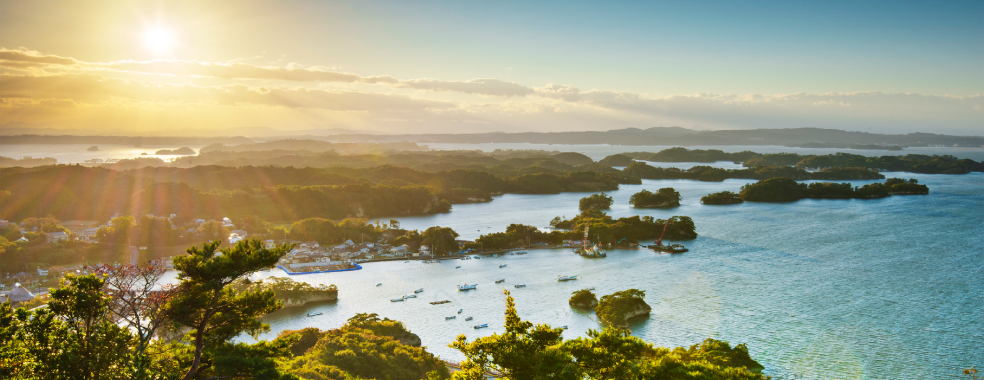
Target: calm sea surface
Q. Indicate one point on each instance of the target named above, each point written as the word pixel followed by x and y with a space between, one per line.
pixel 818 289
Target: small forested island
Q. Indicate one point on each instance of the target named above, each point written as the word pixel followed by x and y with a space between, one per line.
pixel 26 162
pixel 665 197
pixel 600 201
pixel 183 151
pixel 632 228
pixel 617 160
pixel 787 190
pixel 708 173
pixel 721 198
pixel 290 292
pixel 583 299
pixel 93 148
pixel 617 308
pixel 916 163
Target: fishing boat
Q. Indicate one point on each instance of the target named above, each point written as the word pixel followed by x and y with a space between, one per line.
pixel 467 287
pixel 379 284
pixel 500 281
pixel 520 285
pixel 440 302
pixel 457 267
pixel 521 253
pixel 410 296
pixel 469 318
pixel 566 278
pixel 502 266
pixel 450 318
pixel 421 290
pixel 313 314
pixel 401 299
pixel 481 326
pixel 460 310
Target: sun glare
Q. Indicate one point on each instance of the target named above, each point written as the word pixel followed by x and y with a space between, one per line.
pixel 157 39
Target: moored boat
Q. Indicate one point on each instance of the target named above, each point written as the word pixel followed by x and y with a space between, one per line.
pixel 401 299
pixel 502 266
pixel 419 290
pixel 520 285
pixel 467 287
pixel 481 326
pixel 566 278
pixel 313 314
pixel 379 284
pixel 460 310
pixel 500 281
pixel 469 318
pixel 450 318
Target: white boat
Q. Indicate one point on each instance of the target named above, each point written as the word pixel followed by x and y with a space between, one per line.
pixel 566 278
pixel 481 326
pixel 469 318
pixel 401 299
pixel 410 296
pixel 500 281
pixel 467 287
pixel 520 285
pixel 313 314
pixel 502 266
pixel 450 318
pixel 421 290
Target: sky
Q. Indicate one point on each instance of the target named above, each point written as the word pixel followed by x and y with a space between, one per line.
pixel 251 67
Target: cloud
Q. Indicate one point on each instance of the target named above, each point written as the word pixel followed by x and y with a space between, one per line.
pixel 482 86
pixel 94 86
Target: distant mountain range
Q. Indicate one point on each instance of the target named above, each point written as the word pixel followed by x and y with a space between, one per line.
pixel 794 137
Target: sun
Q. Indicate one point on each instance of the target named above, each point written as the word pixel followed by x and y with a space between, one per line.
pixel 157 39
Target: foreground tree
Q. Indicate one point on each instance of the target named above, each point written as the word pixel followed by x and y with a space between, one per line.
pixel 523 352
pixel 216 313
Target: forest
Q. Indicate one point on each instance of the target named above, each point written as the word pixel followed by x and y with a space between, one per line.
pixel 787 190
pixel 708 173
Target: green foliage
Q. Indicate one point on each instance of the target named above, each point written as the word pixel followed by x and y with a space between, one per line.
pixel 327 232
pixel 678 154
pixel 523 351
pixel 440 239
pixel 615 308
pixel 787 190
pixel 707 173
pixel 213 310
pixel 366 347
pixel 528 352
pixel 721 198
pixel 283 288
pixel 634 228
pixel 583 298
pixel 665 197
pixel 600 201
pixel 617 160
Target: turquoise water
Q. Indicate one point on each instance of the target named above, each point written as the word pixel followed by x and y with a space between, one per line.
pixel 818 289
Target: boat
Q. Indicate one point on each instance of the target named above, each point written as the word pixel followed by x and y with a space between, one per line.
pixel 440 302
pixel 467 287
pixel 401 299
pixel 500 281
pixel 521 253
pixel 457 267
pixel 564 327
pixel 502 266
pixel 410 296
pixel 566 278
pixel 520 285
pixel 450 318
pixel 460 310
pixel 313 314
pixel 407 261
pixel 379 284
pixel 469 318
pixel 421 290
pixel 510 254
pixel 481 326
pixel 671 248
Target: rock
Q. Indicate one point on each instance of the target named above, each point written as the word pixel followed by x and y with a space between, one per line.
pixel 410 339
pixel 324 296
pixel 93 149
pixel 586 305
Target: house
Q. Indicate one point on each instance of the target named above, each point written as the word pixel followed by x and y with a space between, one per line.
pixel 235 238
pixel 241 233
pixel 269 244
pixel 89 233
pixel 52 237
pixel 17 296
pixel 401 250
pixel 425 249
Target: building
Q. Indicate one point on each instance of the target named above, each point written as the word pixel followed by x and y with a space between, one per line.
pixel 17 296
pixel 52 237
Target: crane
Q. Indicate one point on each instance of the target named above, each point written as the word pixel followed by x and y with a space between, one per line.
pixel 659 241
